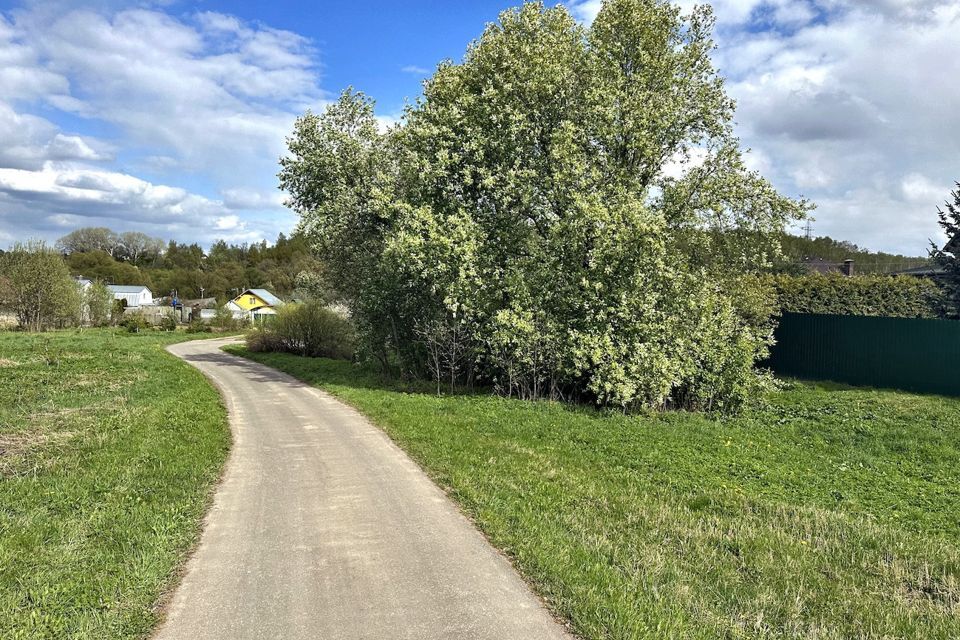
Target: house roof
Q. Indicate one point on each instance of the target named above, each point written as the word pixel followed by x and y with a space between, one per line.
pixel 127 288
pixel 207 303
pixel 266 296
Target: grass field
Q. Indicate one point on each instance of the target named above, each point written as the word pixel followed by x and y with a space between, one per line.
pixel 832 513
pixel 108 450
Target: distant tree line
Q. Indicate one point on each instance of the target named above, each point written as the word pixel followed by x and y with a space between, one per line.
pixel 222 272
pixel 798 249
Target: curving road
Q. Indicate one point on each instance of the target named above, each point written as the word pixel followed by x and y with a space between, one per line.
pixel 322 528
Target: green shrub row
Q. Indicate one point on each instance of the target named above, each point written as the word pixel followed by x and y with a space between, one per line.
pixel 875 295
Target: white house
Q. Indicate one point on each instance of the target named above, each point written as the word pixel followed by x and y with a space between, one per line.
pixel 134 295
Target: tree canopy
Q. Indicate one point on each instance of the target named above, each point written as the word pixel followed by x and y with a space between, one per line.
pixel 565 213
pixel 36 286
pixel 948 257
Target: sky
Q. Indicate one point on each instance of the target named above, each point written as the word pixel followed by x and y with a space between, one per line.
pixel 169 117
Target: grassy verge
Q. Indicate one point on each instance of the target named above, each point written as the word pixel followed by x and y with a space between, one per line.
pixel 109 447
pixel 832 513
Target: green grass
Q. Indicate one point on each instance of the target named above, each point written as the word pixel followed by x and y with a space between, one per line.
pixel 832 513
pixel 109 447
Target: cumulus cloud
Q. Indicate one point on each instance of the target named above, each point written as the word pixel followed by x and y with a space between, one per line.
pixel 206 97
pixel 59 196
pixel 853 112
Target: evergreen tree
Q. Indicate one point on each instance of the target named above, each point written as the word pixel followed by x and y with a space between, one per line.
pixel 948 258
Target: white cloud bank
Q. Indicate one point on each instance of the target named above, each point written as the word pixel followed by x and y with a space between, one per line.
pixel 206 99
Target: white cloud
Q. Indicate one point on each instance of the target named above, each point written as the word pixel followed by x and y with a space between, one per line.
pixel 60 196
pixel 855 113
pixel 584 10
pixel 228 223
pixel 241 198
pixel 415 70
pixel 206 98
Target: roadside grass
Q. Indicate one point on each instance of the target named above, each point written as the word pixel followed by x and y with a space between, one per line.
pixel 109 448
pixel 833 512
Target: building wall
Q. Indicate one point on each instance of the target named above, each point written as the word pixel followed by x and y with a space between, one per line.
pixel 249 301
pixel 144 298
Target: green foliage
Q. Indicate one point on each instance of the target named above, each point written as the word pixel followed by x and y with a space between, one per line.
pixel 36 286
pixel 198 326
pixel 168 323
pixel 98 304
pixel 224 320
pixel 894 296
pixel 520 227
pixel 797 249
pixel 110 450
pixel 131 258
pixel 948 257
pixel 134 322
pixel 308 329
pixel 828 513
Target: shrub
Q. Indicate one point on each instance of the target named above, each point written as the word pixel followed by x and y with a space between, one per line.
pixel 168 323
pixel 879 295
pixel 198 326
pixel 308 329
pixel 225 321
pixel 134 322
pixel 98 301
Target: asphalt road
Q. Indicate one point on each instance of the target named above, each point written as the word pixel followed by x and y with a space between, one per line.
pixel 322 528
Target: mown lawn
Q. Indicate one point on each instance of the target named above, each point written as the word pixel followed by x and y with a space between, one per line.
pixel 832 513
pixel 109 447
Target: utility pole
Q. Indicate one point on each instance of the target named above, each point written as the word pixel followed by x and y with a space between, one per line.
pixel 809 231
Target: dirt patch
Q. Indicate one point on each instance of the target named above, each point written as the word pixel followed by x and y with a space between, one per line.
pixel 6 362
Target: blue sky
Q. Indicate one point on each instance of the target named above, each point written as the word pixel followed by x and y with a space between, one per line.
pixel 169 117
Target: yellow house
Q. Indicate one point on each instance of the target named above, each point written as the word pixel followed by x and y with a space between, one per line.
pixel 255 302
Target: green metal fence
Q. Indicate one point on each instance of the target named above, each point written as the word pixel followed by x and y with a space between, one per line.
pixel 897 353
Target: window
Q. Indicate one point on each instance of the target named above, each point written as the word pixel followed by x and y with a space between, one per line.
pixel 253 300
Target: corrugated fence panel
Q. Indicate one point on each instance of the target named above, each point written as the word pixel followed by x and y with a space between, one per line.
pixel 899 353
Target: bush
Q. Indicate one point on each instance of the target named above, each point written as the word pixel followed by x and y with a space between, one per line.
pixel 225 321
pixel 198 326
pixel 308 329
pixel 98 301
pixel 168 323
pixel 134 322
pixel 891 296
pixel 522 227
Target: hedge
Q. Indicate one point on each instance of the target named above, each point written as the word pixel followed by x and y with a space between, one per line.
pixel 873 295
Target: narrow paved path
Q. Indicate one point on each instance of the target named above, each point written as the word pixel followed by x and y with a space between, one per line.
pixel 323 529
